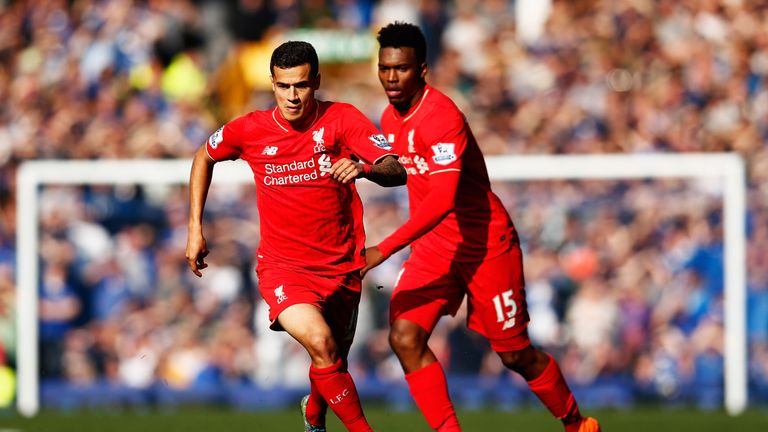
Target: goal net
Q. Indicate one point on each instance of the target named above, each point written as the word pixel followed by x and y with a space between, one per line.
pixel 717 175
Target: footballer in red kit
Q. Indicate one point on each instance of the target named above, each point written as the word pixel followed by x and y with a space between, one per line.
pixel 310 222
pixel 305 155
pixel 445 166
pixel 463 243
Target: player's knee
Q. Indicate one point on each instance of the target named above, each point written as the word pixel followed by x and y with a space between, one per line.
pixel 519 360
pixel 510 359
pixel 321 347
pixel 404 341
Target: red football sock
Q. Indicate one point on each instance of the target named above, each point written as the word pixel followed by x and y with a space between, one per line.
pixel 337 389
pixel 430 391
pixel 553 391
pixel 316 406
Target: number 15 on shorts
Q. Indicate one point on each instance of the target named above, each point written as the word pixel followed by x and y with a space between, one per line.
pixel 506 309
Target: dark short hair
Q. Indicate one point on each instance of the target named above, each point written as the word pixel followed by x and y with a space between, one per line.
pixel 400 34
pixel 295 53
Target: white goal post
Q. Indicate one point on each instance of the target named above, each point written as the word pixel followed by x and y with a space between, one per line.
pixel 727 167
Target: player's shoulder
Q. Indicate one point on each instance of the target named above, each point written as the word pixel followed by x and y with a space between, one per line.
pixel 336 108
pixel 439 109
pixel 251 120
pixel 340 113
pixel 435 100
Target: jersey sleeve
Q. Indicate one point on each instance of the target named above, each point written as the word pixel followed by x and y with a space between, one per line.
pixel 440 200
pixel 362 138
pixel 445 136
pixel 226 142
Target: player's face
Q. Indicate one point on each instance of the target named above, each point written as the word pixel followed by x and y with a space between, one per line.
pixel 401 76
pixel 295 92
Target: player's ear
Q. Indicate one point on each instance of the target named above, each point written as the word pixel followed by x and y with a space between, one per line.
pixel 424 70
pixel 272 81
pixel 316 82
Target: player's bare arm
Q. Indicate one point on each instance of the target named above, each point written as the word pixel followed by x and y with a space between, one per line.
pixel 386 172
pixel 199 181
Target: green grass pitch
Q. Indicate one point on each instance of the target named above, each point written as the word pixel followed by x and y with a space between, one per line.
pixel 382 419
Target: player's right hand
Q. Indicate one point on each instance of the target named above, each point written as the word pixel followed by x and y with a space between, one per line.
pixel 346 170
pixel 196 252
pixel 373 257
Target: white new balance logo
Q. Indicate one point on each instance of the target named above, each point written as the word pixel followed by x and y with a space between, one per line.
pixel 270 150
pixel 280 294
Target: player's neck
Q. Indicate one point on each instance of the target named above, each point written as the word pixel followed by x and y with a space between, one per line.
pixel 404 108
pixel 309 118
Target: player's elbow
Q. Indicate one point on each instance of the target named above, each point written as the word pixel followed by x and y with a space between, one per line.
pixel 401 176
pixel 389 173
pixel 398 176
pixel 202 163
pixel 202 157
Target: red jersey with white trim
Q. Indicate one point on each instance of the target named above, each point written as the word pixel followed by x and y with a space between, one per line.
pixel 309 221
pixel 434 139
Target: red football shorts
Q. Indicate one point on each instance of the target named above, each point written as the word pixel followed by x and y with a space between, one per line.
pixel 430 286
pixel 337 297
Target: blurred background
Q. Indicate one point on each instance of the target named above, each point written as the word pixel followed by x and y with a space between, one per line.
pixel 625 278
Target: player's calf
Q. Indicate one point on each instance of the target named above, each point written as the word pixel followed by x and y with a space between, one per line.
pixel 546 381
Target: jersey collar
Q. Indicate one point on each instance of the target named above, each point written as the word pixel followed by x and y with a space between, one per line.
pixel 287 127
pixel 414 109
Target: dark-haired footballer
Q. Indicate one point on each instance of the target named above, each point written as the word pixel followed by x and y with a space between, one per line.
pixel 463 243
pixel 304 156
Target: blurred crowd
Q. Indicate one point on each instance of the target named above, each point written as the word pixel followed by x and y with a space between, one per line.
pixel 625 278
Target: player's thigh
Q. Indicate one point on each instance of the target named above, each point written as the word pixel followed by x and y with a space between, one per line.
pixel 306 323
pixel 496 306
pixel 336 298
pixel 282 289
pixel 341 309
pixel 426 290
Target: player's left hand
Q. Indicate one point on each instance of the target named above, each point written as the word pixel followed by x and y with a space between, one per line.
pixel 346 170
pixel 373 257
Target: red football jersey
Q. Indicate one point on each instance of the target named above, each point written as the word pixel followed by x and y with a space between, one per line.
pixel 433 138
pixel 309 221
